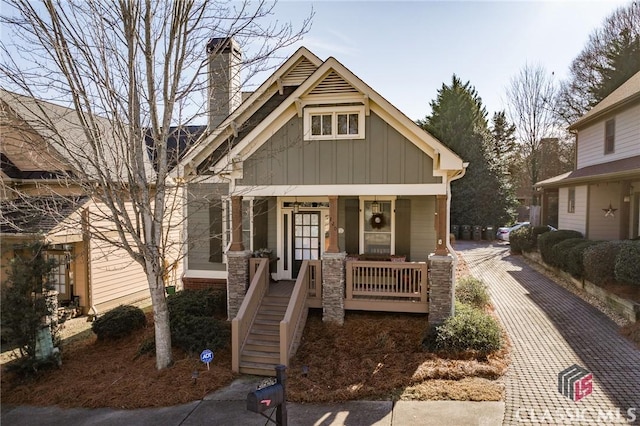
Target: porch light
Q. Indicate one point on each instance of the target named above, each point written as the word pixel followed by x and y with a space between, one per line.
pixel 296 206
pixel 375 207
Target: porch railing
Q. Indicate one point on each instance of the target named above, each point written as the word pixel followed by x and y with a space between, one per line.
pixel 314 294
pixel 295 317
pixel 386 285
pixel 241 324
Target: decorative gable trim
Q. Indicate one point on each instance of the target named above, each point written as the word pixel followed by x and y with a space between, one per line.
pixel 331 84
pixel 299 73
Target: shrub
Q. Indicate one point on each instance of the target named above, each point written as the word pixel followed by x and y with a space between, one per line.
pixel 472 291
pixel 526 238
pixel 26 302
pixel 600 260
pixel 119 322
pixel 469 329
pixel 519 240
pixel 575 265
pixel 547 240
pixel 198 303
pixel 560 252
pixel 627 264
pixel 193 326
pixel 193 334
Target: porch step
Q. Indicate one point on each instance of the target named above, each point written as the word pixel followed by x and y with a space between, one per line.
pixel 257 368
pixel 259 345
pixel 260 357
pixel 271 335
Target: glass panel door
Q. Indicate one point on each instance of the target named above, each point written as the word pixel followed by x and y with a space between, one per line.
pixel 306 239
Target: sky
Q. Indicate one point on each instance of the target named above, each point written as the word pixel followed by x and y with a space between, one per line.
pixel 407 50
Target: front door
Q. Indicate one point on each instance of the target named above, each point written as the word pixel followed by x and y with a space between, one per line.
pixel 306 239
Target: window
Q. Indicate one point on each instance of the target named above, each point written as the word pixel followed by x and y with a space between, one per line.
pixel 571 201
pixel 377 236
pixel 345 122
pixel 609 136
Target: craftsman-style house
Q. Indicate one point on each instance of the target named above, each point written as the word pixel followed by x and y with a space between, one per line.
pixel 313 191
pixel 601 197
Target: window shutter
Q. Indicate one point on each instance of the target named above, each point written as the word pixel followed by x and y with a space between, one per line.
pixel 352 226
pixel 403 227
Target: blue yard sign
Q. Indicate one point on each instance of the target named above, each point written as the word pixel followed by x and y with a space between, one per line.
pixel 206 356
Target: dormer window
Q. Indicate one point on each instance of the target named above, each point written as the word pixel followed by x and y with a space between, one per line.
pixel 340 122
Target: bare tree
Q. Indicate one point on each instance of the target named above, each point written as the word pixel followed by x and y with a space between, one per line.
pixel 129 70
pixel 530 96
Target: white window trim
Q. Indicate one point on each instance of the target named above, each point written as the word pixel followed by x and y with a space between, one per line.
pixel 393 221
pixel 334 111
pixel 226 228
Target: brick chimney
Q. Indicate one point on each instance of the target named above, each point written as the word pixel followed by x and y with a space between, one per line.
pixel 224 79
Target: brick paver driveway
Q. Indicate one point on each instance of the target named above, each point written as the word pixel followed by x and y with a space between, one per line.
pixel 551 329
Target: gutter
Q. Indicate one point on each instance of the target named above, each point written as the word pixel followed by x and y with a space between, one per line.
pixel 459 174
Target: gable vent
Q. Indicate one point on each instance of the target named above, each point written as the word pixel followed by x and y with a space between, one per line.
pixel 333 83
pixel 299 73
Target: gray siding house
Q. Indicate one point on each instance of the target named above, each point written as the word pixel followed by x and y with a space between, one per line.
pixel 348 196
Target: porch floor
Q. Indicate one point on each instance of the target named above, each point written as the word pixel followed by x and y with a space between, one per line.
pixel 282 288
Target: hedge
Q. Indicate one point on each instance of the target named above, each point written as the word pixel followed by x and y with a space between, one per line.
pixel 600 261
pixel 575 265
pixel 526 238
pixel 119 322
pixel 627 264
pixel 548 240
pixel 472 291
pixel 561 251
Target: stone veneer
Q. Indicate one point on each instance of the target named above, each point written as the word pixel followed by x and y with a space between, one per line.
pixel 333 280
pixel 440 288
pixel 237 280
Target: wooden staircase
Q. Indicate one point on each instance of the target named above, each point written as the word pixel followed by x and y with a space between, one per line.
pixel 261 351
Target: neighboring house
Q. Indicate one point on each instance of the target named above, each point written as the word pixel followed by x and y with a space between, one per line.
pixel 601 197
pixel 349 196
pixel 41 199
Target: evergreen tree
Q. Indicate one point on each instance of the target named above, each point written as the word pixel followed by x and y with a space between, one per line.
pixel 622 62
pixel 458 120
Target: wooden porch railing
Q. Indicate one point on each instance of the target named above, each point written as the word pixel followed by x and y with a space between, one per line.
pixel 241 324
pixel 387 286
pixel 314 294
pixel 296 316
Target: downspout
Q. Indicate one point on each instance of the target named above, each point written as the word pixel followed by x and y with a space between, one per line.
pixel 459 174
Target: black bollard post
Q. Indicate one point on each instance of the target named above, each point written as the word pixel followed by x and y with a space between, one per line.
pixel 281 411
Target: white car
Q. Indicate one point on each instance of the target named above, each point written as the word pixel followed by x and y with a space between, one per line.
pixel 503 232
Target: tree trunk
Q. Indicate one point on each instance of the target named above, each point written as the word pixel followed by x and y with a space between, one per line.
pixel 160 320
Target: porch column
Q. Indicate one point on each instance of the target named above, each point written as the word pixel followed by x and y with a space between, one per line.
pixel 440 288
pixel 333 287
pixel 236 224
pixel 237 280
pixel 441 226
pixel 333 225
pixel 237 262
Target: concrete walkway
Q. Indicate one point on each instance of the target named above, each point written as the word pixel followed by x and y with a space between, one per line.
pixel 551 329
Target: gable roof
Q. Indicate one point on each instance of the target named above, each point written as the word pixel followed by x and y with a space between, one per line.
pixel 330 76
pixel 628 92
pixel 37 214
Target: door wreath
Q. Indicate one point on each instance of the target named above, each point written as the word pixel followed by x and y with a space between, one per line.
pixel 377 221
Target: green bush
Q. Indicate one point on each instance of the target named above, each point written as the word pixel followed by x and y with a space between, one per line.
pixel 520 240
pixel 547 240
pixel 600 262
pixel 526 238
pixel 193 326
pixel 472 291
pixel 194 334
pixel 627 264
pixel 469 329
pixel 119 322
pixel 575 265
pixel 198 303
pixel 560 252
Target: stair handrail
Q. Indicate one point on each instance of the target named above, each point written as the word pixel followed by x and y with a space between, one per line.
pixel 241 324
pixel 295 316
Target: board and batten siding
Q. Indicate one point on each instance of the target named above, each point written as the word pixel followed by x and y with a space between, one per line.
pixel 204 218
pixel 383 157
pixel 577 220
pixel 627 139
pixel 423 232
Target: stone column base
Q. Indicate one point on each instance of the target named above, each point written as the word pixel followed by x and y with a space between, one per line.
pixel 237 280
pixel 333 280
pixel 440 288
